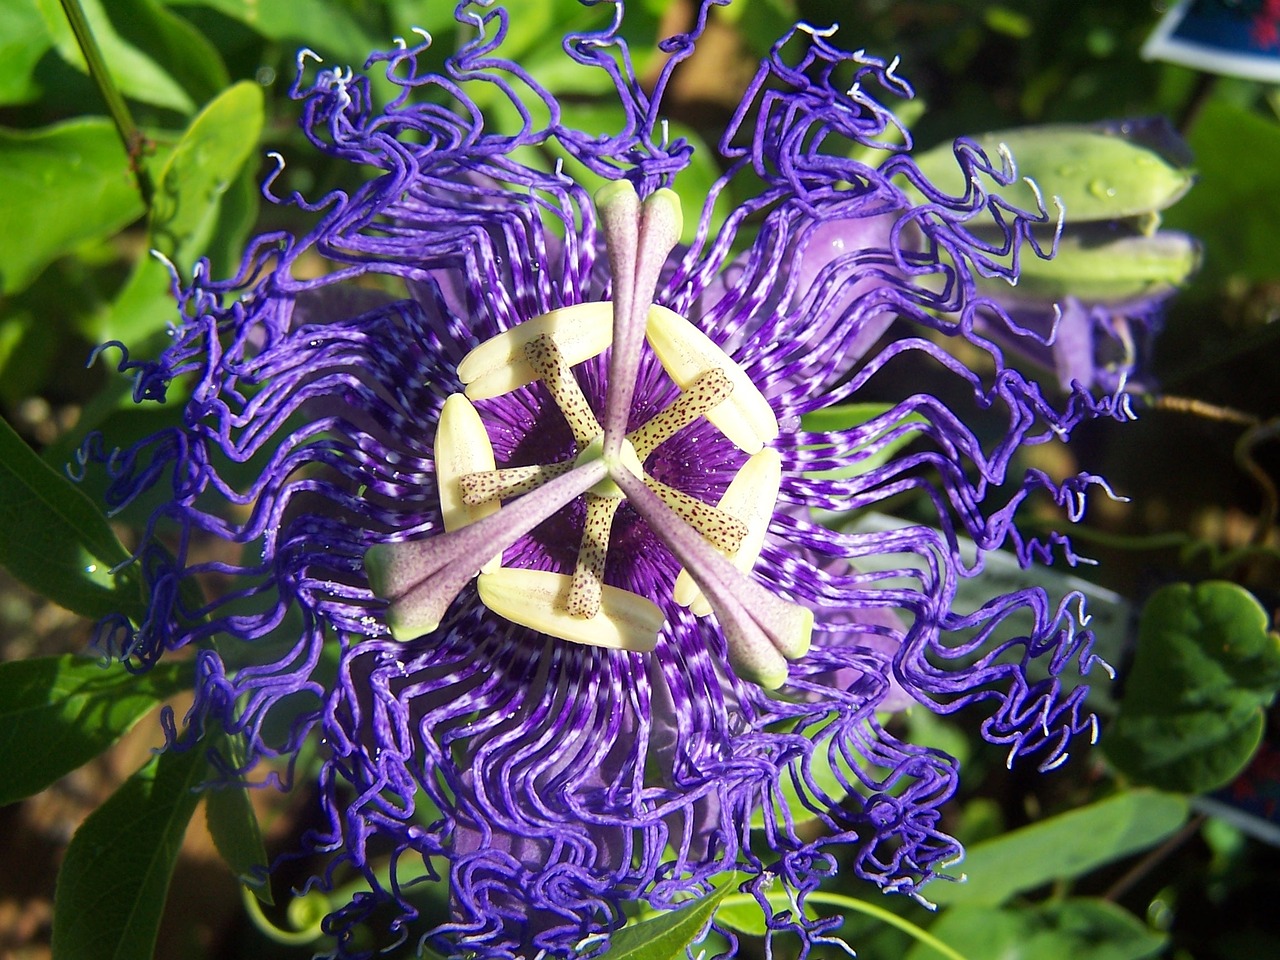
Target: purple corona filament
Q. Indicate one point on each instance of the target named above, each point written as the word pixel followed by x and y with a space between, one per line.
pixel 527 497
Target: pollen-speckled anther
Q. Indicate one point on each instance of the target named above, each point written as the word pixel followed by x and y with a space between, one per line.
pixel 762 630
pixel 420 579
pixel 539 599
pixel 461 449
pixel 751 496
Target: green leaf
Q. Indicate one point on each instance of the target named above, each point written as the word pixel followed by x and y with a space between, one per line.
pixel 237 215
pixel 202 167
pixel 62 185
pixel 1205 671
pixel 234 828
pixel 174 43
pixel 27 351
pixel 667 937
pixel 58 713
pixel 1236 203
pixel 112 885
pixel 200 200
pixel 23 41
pixel 134 72
pixel 324 25
pixel 1062 847
pixel 744 914
pixel 1098 175
pixel 1081 929
pixel 758 24
pixel 142 308
pixel 56 540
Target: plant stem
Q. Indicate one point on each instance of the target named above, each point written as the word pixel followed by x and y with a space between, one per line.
pixel 135 144
pixel 1198 408
pixel 290 938
pixel 1153 858
pixel 1260 433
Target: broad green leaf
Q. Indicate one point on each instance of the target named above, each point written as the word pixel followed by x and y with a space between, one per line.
pixel 62 185
pixel 143 307
pixel 237 214
pixel 529 29
pixel 1098 175
pixel 1204 673
pixel 327 26
pixel 759 24
pixel 1061 847
pixel 668 936
pixel 745 915
pixel 27 351
pixel 1236 203
pixel 23 41
pixel 56 540
pixel 58 713
pixel 133 71
pixel 202 167
pixel 112 885
pixel 1079 929
pixel 200 178
pixel 234 828
pixel 174 43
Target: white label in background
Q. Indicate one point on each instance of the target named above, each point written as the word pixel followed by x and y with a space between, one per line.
pixel 1240 40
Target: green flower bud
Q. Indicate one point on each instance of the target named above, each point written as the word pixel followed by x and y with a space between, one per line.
pixel 1096 266
pixel 1099 173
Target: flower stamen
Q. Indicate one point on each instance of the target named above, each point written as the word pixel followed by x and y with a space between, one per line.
pixel 686 353
pixel 716 545
pixel 752 496
pixel 762 630
pixel 421 578
pixel 461 449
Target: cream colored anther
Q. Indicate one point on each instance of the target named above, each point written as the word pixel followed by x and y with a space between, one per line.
pixel 539 600
pixel 499 365
pixel 751 497
pixel 462 447
pixel 686 353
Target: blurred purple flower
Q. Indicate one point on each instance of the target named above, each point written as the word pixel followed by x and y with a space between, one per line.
pixel 559 779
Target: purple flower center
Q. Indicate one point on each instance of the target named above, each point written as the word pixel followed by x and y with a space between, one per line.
pixel 488 509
